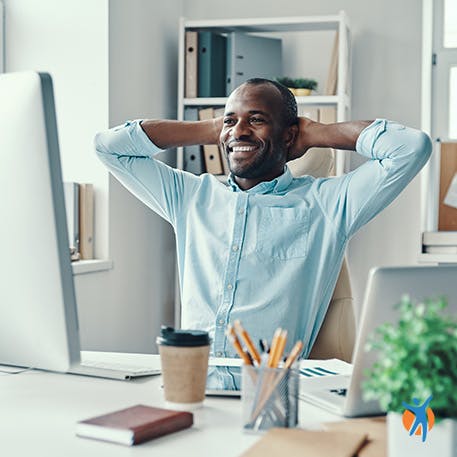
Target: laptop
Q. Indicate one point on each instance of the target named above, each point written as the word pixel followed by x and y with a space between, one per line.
pixel 342 395
pixel 38 313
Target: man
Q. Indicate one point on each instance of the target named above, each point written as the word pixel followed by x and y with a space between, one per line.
pixel 267 248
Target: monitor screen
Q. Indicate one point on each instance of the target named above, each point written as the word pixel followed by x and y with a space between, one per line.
pixel 38 318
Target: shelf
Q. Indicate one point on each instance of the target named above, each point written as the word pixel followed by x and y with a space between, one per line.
pixel 437 258
pixel 90 266
pixel 279 26
pixel 258 25
pixel 308 100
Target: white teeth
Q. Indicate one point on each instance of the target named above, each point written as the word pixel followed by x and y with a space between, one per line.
pixel 243 148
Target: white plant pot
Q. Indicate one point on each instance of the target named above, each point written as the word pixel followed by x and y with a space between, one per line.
pixel 441 440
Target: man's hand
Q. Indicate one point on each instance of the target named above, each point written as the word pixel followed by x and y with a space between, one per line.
pixel 302 139
pixel 341 135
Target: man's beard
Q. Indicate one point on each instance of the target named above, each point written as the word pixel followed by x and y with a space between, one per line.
pixel 261 166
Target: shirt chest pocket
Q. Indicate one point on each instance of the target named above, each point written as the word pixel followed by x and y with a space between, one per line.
pixel 282 233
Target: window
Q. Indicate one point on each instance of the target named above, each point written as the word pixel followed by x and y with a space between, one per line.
pixel 450 24
pixel 453 103
pixel 2 38
pixel 444 74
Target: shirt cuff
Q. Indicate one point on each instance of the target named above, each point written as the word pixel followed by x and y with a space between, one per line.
pixel 140 138
pixel 365 144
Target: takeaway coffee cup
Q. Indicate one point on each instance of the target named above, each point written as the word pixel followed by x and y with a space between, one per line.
pixel 184 360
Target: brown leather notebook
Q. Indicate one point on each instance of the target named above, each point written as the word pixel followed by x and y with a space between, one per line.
pixel 134 425
pixel 293 442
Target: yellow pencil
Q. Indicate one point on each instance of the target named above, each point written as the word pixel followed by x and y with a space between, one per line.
pixel 237 345
pixel 247 339
pixel 294 353
pixel 274 347
pixel 282 339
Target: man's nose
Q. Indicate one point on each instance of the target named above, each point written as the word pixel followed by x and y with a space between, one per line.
pixel 241 129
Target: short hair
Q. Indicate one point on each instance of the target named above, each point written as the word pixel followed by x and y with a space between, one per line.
pixel 289 112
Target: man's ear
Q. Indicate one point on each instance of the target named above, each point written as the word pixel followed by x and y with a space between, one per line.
pixel 290 135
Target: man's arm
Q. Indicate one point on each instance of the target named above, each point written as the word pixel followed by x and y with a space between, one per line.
pixel 170 134
pixel 396 154
pixel 341 135
pixel 129 152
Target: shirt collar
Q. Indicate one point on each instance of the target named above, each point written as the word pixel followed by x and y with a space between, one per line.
pixel 274 186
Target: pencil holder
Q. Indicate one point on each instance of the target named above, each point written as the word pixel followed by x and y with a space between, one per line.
pixel 269 397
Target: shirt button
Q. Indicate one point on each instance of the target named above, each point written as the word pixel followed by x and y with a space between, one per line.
pixel 235 248
pixel 241 211
pixel 221 321
pixel 218 354
pixel 229 287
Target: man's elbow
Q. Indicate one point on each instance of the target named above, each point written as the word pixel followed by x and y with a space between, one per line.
pixel 423 146
pixel 100 142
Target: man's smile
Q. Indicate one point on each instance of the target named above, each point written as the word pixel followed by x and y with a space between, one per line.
pixel 235 148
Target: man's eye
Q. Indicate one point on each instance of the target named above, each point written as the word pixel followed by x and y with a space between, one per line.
pixel 257 120
pixel 228 121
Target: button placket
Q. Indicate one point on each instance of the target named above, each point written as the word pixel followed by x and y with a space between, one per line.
pixel 222 317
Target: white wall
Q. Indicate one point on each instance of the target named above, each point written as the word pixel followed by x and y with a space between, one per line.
pixel 110 60
pixel 137 296
pixel 386 83
pixel 61 38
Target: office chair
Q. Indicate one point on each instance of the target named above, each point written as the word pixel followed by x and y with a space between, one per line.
pixel 337 334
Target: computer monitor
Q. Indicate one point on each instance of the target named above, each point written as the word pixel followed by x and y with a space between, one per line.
pixel 38 316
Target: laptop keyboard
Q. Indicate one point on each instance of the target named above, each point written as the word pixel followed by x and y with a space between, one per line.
pixel 134 370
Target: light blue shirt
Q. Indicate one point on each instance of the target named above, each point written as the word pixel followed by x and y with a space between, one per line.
pixel 269 256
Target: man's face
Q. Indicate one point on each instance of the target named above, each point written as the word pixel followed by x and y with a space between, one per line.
pixel 253 136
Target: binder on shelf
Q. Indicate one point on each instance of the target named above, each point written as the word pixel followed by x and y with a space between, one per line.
pixel 447 215
pixel 250 56
pixel 439 238
pixel 193 155
pixel 218 112
pixel 71 195
pixel 309 112
pixel 86 221
pixel 191 70
pixel 327 115
pixel 211 153
pixel 212 49
pixel 332 79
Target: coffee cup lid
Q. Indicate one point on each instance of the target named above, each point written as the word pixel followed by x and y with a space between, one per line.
pixel 171 337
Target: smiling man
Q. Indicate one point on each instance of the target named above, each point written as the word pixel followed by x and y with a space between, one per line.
pixel 268 247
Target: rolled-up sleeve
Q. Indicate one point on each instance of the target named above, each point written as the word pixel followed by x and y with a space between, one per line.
pixel 129 155
pixel 397 153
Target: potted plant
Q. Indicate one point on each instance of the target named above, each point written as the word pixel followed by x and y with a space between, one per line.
pixel 288 82
pixel 304 86
pixel 415 379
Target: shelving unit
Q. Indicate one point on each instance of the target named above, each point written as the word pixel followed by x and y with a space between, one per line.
pixel 434 124
pixel 283 25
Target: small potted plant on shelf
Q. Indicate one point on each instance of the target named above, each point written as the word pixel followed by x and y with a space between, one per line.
pixel 288 82
pixel 304 86
pixel 415 380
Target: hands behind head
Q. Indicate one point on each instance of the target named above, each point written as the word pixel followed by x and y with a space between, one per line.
pixel 303 139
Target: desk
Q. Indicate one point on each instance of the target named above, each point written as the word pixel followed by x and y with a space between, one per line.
pixel 39 410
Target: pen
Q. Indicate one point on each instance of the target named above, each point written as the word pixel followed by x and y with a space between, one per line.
pixel 236 344
pixel 263 343
pixel 247 339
